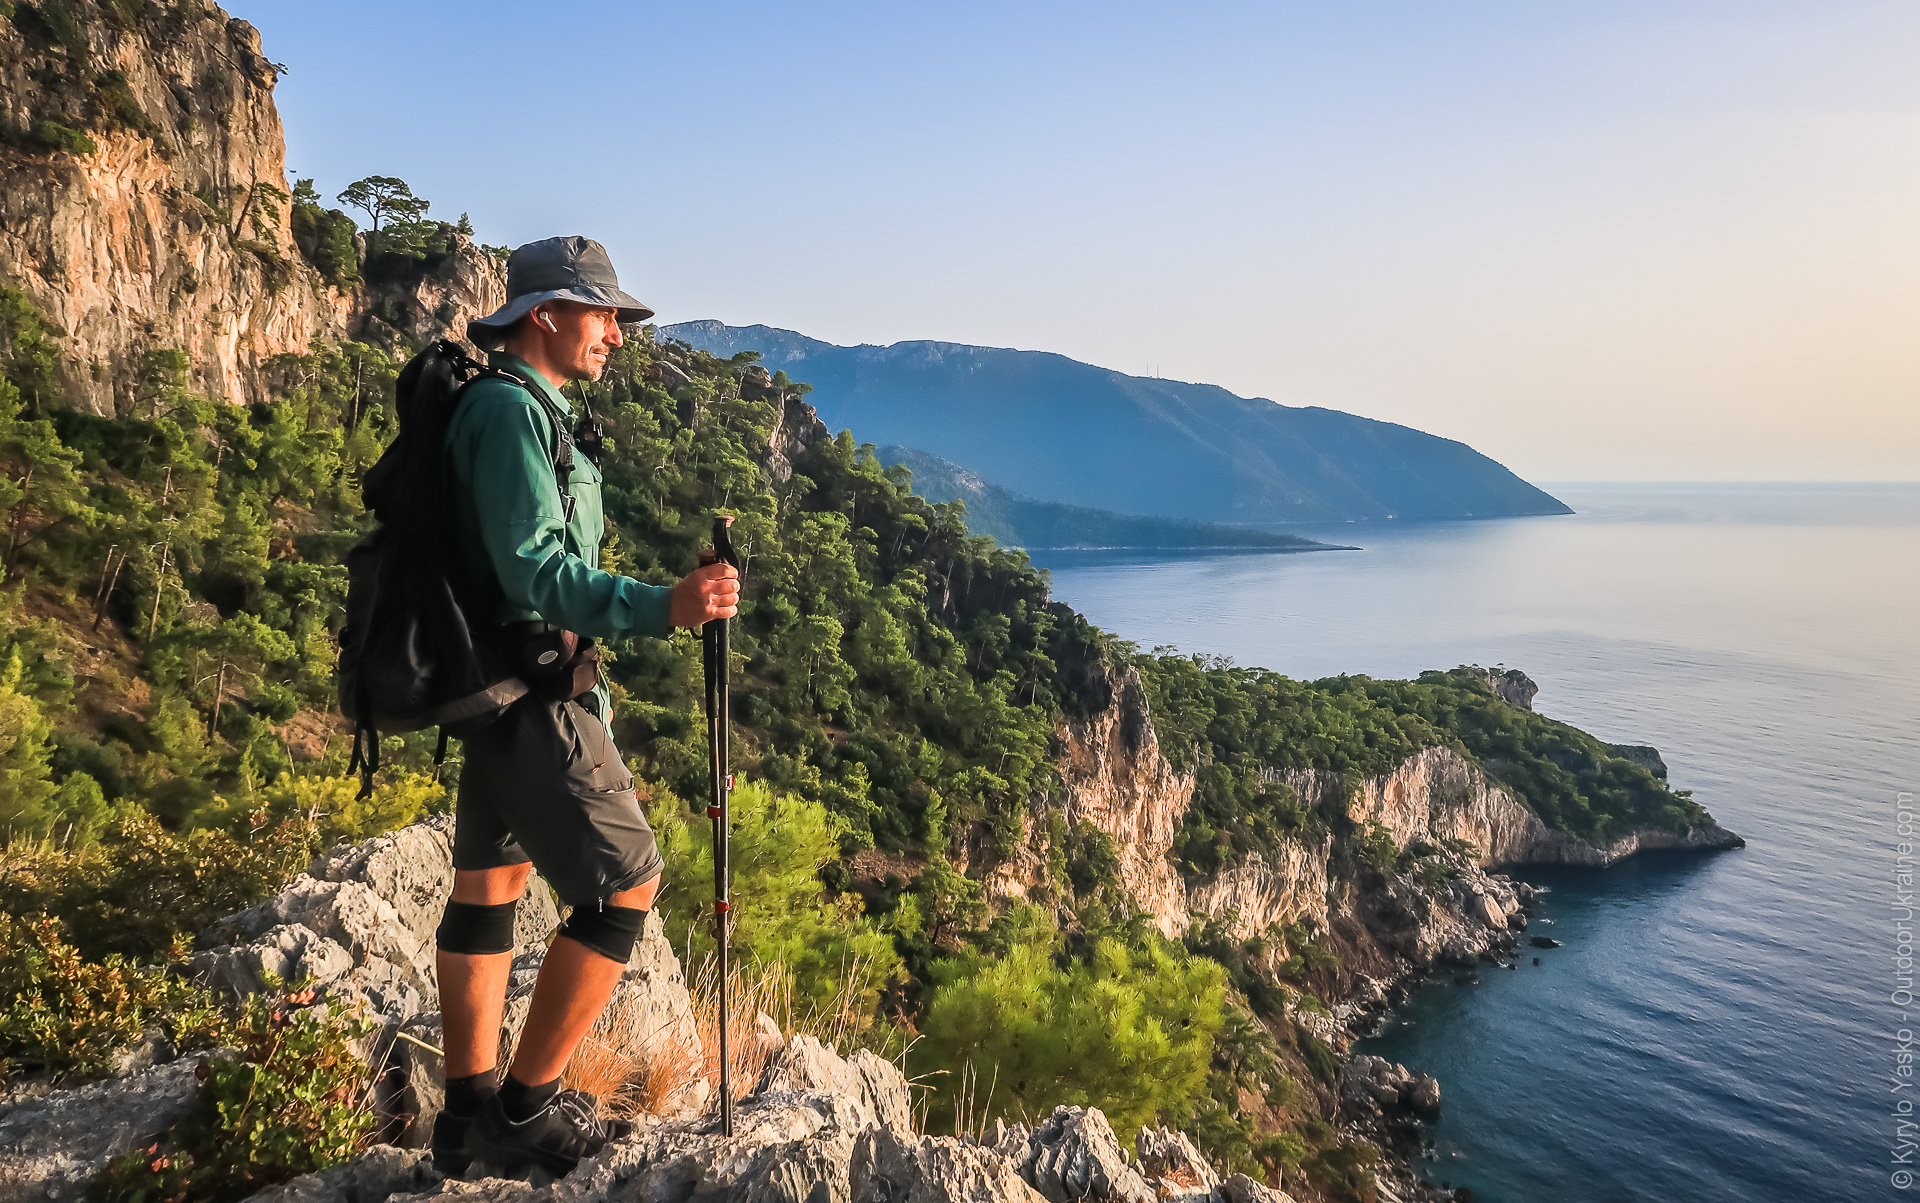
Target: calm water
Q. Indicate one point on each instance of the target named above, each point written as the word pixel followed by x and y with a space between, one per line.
pixel 1715 1028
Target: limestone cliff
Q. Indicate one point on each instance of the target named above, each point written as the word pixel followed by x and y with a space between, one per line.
pixel 144 206
pixel 1118 780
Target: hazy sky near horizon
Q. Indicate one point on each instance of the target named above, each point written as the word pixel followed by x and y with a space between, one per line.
pixel 1622 241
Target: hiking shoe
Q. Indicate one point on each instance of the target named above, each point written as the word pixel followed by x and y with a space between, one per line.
pixel 449 1143
pixel 558 1137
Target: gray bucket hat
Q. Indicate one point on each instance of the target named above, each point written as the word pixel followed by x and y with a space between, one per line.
pixel 556 269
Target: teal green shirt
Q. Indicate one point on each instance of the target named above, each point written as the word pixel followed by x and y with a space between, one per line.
pixel 500 447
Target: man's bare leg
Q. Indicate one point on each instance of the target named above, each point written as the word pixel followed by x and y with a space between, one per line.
pixel 573 988
pixel 473 989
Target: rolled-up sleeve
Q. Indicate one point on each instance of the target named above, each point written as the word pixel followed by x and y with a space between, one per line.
pixel 523 529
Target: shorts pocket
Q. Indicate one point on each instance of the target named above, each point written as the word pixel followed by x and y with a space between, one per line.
pixel 593 765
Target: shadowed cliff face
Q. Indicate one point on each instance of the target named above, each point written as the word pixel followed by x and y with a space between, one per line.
pixel 144 205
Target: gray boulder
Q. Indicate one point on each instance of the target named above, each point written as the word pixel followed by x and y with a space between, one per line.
pixel 1484 908
pixel 889 1167
pixel 380 900
pixel 1242 1189
pixel 1424 1093
pixel 876 1090
pixel 1074 1154
pixel 289 952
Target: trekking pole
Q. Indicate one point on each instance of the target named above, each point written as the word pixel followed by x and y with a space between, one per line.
pixel 713 646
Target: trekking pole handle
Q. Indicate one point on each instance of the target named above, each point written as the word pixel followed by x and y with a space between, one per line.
pixel 722 551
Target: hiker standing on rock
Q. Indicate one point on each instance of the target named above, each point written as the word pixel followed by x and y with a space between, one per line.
pixel 543 785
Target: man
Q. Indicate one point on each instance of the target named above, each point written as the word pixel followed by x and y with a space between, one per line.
pixel 544 785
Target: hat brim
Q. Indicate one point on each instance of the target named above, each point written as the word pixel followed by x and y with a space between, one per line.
pixel 486 331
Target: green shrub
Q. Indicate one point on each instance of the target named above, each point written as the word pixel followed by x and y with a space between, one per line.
pixel 1126 1028
pixel 292 1102
pixel 325 237
pixel 140 885
pixel 1319 1056
pixel 67 1018
pixel 782 911
pixel 54 136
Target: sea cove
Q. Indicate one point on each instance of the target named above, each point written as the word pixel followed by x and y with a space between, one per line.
pixel 1713 1027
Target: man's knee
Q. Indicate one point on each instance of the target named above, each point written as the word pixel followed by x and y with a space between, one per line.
pixel 476 929
pixel 611 931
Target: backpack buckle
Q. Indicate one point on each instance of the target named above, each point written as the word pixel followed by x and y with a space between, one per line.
pixel 568 503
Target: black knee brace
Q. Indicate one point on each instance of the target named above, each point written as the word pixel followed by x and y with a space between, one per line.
pixel 475 930
pixel 611 931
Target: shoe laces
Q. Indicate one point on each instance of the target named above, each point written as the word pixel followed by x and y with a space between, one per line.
pixel 582 1111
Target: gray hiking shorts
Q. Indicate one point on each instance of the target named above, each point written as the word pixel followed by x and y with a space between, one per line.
pixel 545 784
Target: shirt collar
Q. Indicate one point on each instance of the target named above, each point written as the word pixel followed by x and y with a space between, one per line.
pixel 526 371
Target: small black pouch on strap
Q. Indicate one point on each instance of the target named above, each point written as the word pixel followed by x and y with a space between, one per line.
pixel 557 664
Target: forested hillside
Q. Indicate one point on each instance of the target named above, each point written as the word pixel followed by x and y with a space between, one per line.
pixel 174 584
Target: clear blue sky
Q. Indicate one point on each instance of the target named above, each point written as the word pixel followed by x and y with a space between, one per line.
pixel 1631 240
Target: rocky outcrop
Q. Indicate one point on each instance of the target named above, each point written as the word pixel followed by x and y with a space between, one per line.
pixel 172 230
pixel 1510 685
pixel 1173 1166
pixel 796 428
pixel 1372 1084
pixel 1646 757
pixel 1074 1154
pixel 1117 780
pixel 1439 795
pixel 433 299
pixel 360 921
pixel 151 209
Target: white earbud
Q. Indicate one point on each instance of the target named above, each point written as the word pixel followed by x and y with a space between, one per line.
pixel 547 321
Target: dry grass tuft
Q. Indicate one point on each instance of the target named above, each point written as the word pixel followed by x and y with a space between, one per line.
pixel 751 992
pixel 643 1072
pixel 633 1068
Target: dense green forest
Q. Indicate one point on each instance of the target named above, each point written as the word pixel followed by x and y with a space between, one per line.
pixel 169 752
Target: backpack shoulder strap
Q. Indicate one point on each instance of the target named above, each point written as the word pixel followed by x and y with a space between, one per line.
pixel 562 440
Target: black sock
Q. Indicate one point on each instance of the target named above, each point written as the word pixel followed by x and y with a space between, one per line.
pixel 522 1102
pixel 465 1096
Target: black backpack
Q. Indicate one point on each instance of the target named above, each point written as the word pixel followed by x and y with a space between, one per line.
pixel 419 646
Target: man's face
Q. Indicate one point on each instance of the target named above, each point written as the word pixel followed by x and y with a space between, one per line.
pixel 582 338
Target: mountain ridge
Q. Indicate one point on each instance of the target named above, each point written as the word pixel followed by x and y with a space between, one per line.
pixel 1056 429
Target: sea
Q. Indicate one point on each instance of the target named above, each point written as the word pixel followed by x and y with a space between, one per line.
pixel 1721 1026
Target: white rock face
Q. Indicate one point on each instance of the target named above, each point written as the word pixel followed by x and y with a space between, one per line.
pixel 116 247
pixel 1118 781
pixel 1259 891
